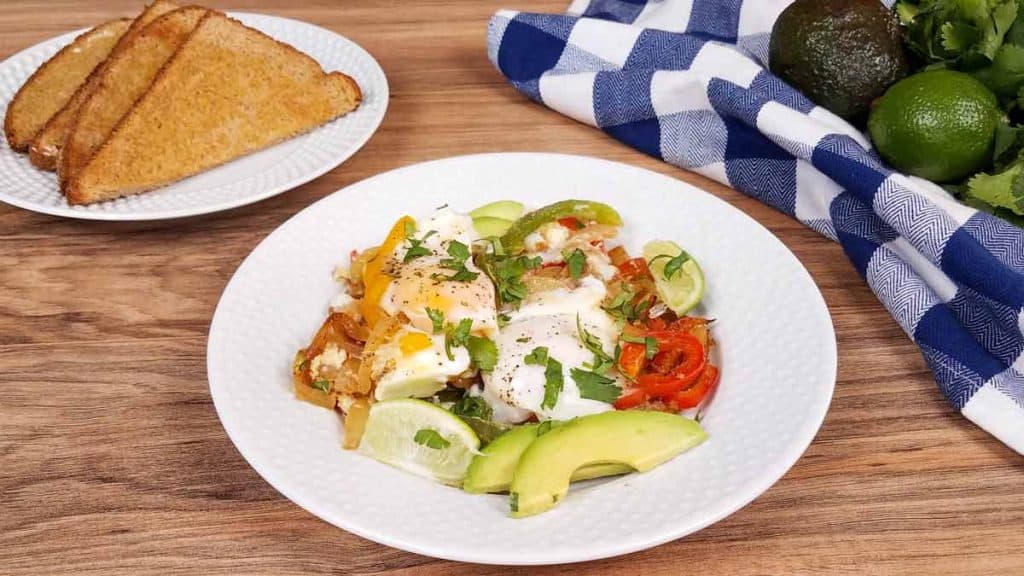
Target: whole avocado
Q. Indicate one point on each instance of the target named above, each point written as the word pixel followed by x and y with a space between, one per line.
pixel 842 54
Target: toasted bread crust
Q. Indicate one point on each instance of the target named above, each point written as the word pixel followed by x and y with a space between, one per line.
pixel 19 128
pixel 45 147
pixel 230 91
pixel 127 75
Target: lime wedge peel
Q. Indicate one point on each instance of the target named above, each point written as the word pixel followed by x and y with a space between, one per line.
pixel 390 437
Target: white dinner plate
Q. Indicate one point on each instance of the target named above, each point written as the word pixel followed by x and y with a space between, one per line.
pixel 776 344
pixel 243 181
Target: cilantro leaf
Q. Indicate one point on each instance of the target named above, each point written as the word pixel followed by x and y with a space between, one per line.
pixel 538 357
pixel 553 383
pixel 576 261
pixel 1002 190
pixel 458 253
pixel 595 386
pixel 436 318
pixel 1005 74
pixel 506 272
pixel 472 407
pixel 463 275
pixel 416 248
pixel 602 361
pixel 544 427
pixel 674 264
pixel 456 336
pixel 322 384
pixel 650 344
pixel 963 31
pixel 513 501
pixel 483 352
pixel 431 439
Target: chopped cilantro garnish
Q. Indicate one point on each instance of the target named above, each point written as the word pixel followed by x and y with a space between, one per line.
pixel 458 253
pixel 602 361
pixel 523 339
pixel 538 357
pixel 436 318
pixel 455 336
pixel 674 264
pixel 513 501
pixel 472 407
pixel 416 248
pixel 553 382
pixel 483 352
pixel 544 428
pixel 503 320
pixel 322 384
pixel 463 275
pixel 650 344
pixel 507 274
pixel 595 386
pixel 431 439
pixel 576 261
pixel 622 307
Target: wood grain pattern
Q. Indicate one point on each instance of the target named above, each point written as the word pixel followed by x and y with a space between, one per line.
pixel 112 459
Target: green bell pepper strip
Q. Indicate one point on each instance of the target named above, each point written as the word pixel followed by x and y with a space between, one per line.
pixel 583 210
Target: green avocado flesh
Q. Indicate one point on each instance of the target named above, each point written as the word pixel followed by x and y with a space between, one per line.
pixel 502 209
pixel 491 471
pixel 491 226
pixel 639 439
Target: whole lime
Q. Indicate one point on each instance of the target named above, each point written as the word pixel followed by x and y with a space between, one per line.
pixel 939 125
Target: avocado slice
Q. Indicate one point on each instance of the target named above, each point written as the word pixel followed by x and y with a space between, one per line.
pixel 491 226
pixel 502 209
pixel 491 470
pixel 641 439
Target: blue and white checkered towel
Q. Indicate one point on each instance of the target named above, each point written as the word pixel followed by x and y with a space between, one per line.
pixel 686 81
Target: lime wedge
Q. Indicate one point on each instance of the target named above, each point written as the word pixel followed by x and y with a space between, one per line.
pixel 421 438
pixel 684 287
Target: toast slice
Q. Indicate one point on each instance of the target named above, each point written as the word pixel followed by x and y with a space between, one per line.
pixel 45 148
pixel 228 91
pixel 52 85
pixel 126 76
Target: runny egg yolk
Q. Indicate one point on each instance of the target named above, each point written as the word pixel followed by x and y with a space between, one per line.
pixel 413 342
pixel 374 278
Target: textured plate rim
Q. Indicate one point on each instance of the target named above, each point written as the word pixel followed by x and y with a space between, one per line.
pixel 739 499
pixel 69 212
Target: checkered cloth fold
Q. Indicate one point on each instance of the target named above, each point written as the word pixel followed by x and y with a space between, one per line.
pixel 686 81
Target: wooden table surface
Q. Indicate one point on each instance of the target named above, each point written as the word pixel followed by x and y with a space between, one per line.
pixel 112 459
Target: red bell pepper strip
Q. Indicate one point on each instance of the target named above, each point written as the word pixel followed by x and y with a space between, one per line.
pixel 684 373
pixel 632 359
pixel 692 396
pixel 570 222
pixel 634 267
pixel 631 398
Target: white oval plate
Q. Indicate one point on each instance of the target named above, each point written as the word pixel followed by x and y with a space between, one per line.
pixel 777 347
pixel 249 179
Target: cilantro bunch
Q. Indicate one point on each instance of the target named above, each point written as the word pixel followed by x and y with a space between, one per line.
pixel 984 38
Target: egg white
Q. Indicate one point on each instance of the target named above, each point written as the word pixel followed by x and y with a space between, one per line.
pixel 549 319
